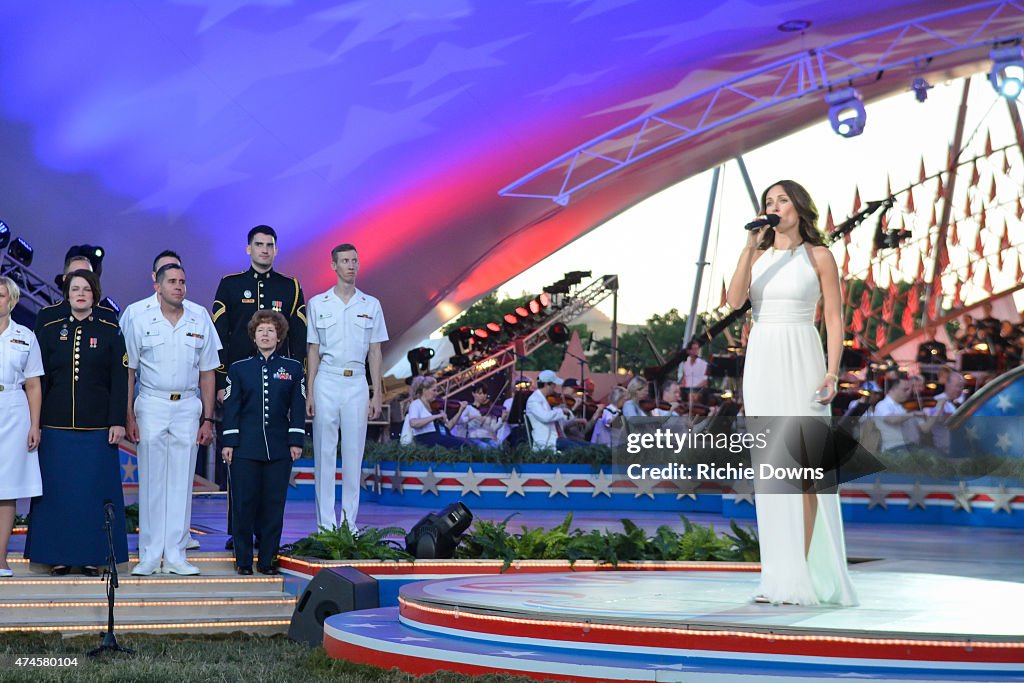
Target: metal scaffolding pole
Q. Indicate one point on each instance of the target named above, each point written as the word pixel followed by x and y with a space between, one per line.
pixel 702 260
pixel 750 186
pixel 947 206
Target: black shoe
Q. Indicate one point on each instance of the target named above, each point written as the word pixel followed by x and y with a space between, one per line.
pixel 59 570
pixel 244 571
pixel 230 545
pixel 89 570
pixel 269 571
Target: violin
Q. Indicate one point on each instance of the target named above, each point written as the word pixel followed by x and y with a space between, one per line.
pixel 439 405
pixel 561 400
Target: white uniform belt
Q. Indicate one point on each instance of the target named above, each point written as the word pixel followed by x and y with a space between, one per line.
pixel 10 387
pixel 167 395
pixel 343 372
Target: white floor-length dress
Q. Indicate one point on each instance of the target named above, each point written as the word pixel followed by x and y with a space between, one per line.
pixel 784 366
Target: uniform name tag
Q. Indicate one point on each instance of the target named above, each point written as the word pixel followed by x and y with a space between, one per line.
pixel 20 341
pixel 248 301
pixel 194 334
pixel 363 315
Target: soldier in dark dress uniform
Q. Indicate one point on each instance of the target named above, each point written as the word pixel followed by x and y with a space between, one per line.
pixel 264 430
pixel 85 398
pixel 240 295
pixel 62 309
pixel 260 287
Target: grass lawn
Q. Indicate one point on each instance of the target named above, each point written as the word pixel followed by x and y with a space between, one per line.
pixel 182 658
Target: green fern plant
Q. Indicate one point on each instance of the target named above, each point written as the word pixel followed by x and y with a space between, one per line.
pixel 341 543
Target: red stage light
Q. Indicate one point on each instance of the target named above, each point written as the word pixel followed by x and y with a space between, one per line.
pixel 494 328
pixel 522 312
pixel 535 306
pixel 545 299
pixel 480 333
pixel 511 318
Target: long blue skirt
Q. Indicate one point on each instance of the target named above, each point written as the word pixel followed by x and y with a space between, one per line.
pixel 80 471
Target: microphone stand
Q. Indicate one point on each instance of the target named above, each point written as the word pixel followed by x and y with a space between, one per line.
pixel 109 642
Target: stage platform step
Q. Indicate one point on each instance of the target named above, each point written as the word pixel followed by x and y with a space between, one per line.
pixel 217 600
pixel 693 627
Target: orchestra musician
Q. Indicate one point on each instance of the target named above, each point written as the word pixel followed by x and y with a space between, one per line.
pixel 609 423
pixel 693 372
pixel 545 420
pixel 634 393
pixel 427 419
pixel 479 423
pixel 671 397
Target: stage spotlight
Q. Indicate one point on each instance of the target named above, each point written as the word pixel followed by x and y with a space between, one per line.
pixel 419 360
pixel 559 333
pixel 511 319
pixel 93 253
pixel 1007 73
pixel 21 251
pixel 560 287
pixel 574 277
pixel 481 334
pixel 5 235
pixel 544 299
pixel 437 535
pixel 462 340
pixel 535 307
pixel 494 328
pixel 920 88
pixel 846 112
pixel 522 312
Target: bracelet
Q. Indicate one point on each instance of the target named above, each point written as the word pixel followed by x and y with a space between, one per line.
pixel 834 376
pixel 209 419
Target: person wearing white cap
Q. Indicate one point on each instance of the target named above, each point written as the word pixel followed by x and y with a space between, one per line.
pixel 545 420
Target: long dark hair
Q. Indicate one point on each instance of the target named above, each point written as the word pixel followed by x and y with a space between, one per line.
pixel 805 209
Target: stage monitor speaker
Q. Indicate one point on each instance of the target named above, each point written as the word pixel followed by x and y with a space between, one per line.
pixel 332 591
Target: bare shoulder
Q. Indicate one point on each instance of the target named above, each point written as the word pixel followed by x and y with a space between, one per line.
pixel 823 255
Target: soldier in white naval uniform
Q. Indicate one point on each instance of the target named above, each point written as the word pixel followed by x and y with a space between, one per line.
pixel 173 349
pixel 345 331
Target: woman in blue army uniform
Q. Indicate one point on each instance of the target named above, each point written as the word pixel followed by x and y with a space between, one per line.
pixel 85 399
pixel 264 430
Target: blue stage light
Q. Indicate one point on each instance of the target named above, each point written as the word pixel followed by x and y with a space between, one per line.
pixel 21 251
pixel 846 112
pixel 1007 73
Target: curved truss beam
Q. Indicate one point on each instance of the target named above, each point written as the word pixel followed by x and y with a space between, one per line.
pixel 782 81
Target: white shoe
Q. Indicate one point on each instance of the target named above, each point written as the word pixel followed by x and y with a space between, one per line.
pixel 6 573
pixel 192 544
pixel 146 568
pixel 182 568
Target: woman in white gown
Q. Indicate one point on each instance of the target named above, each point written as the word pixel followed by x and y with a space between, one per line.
pixel 784 272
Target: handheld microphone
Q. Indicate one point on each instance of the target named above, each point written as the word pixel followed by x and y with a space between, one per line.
pixel 771 220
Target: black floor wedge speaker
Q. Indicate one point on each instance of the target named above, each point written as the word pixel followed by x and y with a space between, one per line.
pixel 332 591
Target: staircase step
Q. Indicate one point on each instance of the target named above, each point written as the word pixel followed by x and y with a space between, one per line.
pixel 182 607
pixel 264 624
pixel 27 587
